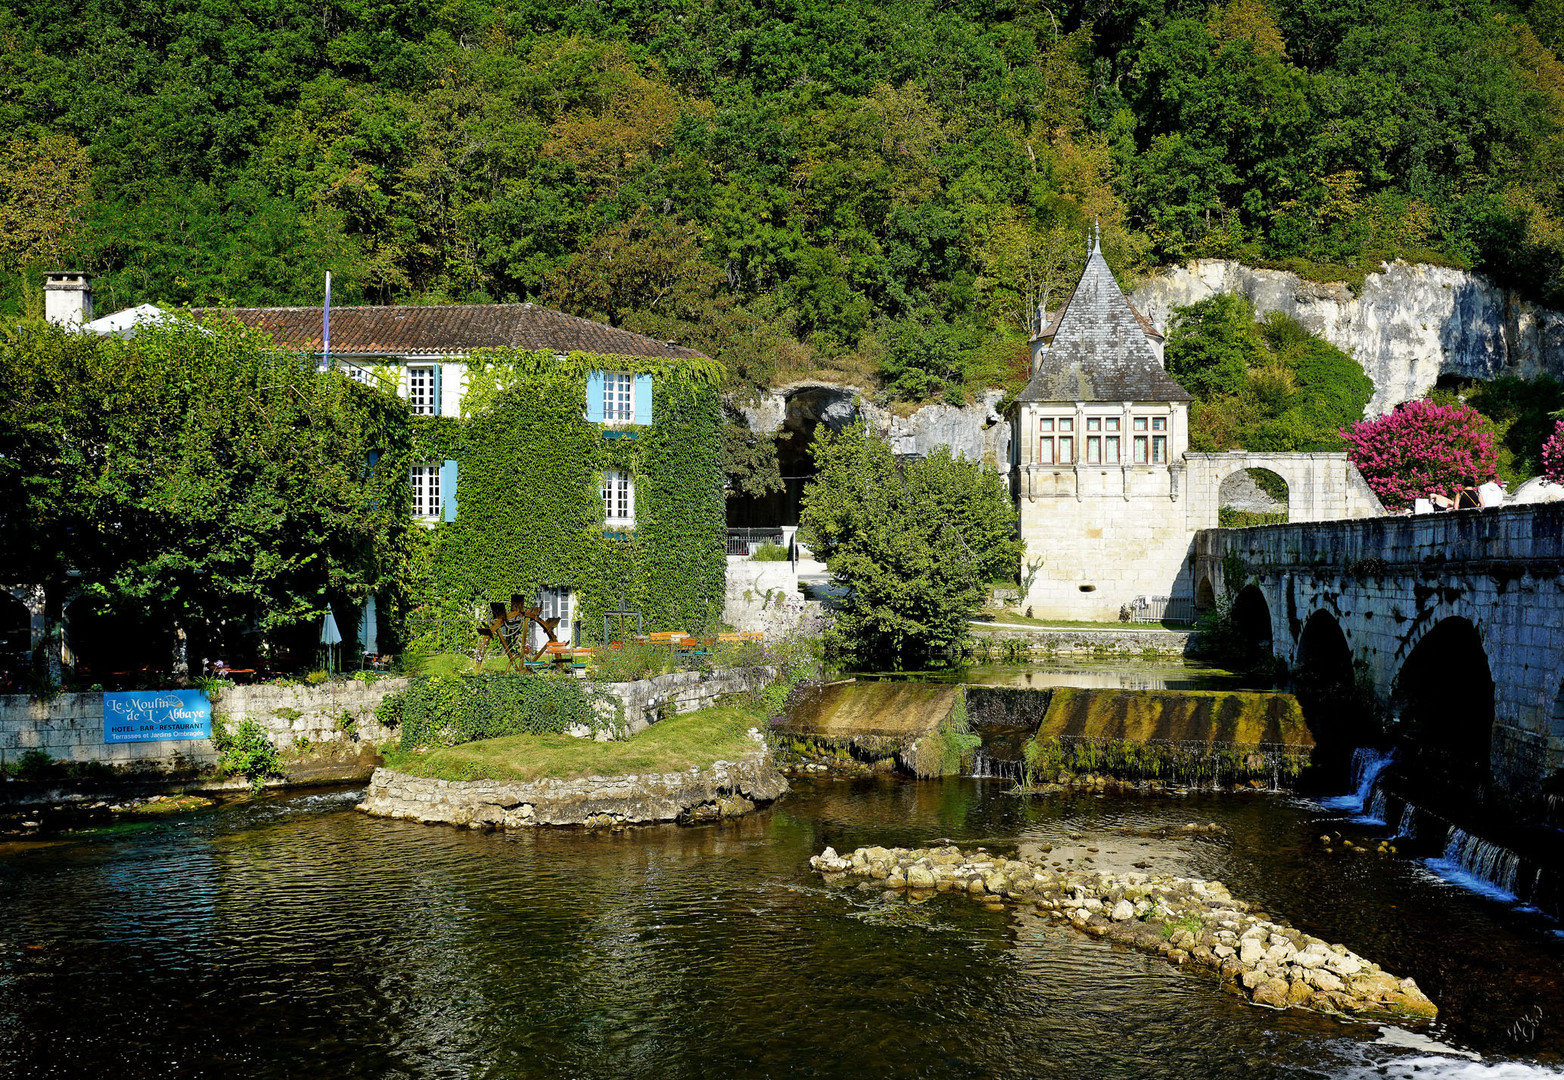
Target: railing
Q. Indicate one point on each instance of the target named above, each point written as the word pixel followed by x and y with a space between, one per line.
pixel 745 541
pixel 1152 609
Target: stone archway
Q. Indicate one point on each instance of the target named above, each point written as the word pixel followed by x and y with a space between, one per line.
pixel 1205 596
pixel 1252 617
pixel 1253 496
pixel 1325 683
pixel 1443 702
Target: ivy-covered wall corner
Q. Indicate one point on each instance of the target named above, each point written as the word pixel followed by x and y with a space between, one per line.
pixel 530 512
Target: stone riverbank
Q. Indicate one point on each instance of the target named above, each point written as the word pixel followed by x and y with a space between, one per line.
pixel 1188 921
pixel 723 789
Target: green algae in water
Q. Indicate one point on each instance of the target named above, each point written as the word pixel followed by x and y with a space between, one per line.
pixel 1189 737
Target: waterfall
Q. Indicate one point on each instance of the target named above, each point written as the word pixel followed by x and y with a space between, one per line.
pixel 1367 764
pixel 1376 807
pixel 985 767
pixel 1407 830
pixel 1479 865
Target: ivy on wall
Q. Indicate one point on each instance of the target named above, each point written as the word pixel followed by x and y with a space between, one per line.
pixel 530 506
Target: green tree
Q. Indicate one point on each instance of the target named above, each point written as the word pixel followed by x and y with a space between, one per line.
pixel 1269 386
pixel 200 481
pixel 914 546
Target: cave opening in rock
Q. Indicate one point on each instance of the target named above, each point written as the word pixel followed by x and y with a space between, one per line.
pixel 805 411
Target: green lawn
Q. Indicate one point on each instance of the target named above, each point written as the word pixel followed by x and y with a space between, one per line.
pixel 673 745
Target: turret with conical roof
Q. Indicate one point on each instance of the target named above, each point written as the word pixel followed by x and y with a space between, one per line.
pixel 1099 348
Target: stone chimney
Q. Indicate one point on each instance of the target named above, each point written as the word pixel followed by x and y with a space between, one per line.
pixel 67 298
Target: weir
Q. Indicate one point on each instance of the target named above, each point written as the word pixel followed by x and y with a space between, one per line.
pixel 1195 737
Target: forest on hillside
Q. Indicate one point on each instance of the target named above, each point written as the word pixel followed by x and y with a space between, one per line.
pixel 884 190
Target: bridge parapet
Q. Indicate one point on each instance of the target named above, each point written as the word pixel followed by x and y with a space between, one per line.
pixel 1387 584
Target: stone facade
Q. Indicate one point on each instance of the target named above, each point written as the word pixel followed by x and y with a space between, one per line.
pixel 1108 494
pixel 1388 582
pixel 725 789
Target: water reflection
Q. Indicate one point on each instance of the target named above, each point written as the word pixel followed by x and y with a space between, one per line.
pixel 1110 674
pixel 298 938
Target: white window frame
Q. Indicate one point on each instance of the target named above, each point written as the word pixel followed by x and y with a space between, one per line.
pixel 618 397
pixel 556 601
pixel 422 404
pixel 425 482
pixel 618 492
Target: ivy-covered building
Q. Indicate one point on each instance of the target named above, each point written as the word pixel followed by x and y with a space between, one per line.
pixel 555 457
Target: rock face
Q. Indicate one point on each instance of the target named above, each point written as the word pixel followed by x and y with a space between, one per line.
pixel 1186 920
pixel 1410 324
pixel 725 789
pixel 976 431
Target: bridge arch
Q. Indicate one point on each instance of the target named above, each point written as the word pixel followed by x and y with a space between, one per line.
pixel 1443 699
pixel 1205 595
pixel 1252 616
pixel 1325 682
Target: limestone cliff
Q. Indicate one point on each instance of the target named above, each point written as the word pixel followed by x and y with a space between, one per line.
pixel 1410 323
pixel 976 431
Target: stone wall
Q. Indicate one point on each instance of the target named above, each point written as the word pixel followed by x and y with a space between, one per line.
pixel 1409 324
pixel 1109 534
pixel 1099 642
pixel 724 789
pixel 648 700
pixel 323 721
pixel 1387 582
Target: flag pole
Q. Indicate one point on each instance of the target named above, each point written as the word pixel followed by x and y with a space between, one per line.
pixel 325 328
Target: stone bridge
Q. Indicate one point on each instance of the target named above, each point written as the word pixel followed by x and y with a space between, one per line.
pixel 1454 622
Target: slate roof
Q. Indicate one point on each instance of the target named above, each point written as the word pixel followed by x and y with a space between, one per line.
pixel 446 330
pixel 1099 350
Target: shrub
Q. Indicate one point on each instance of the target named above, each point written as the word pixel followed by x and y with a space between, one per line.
pixel 1422 448
pixel 631 661
pixel 769 552
pixel 1553 455
pixel 247 752
pixel 450 710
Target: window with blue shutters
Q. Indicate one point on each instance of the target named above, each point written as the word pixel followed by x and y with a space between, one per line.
pixel 448 490
pixel 618 397
pixel 423 389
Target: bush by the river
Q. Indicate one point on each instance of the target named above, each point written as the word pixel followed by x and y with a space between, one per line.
pixel 447 710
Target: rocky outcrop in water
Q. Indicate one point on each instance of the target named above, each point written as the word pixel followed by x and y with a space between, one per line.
pixel 1191 922
pixel 725 789
pixel 1409 324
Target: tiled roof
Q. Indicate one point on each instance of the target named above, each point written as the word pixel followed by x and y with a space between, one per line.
pixel 1099 350
pixel 446 330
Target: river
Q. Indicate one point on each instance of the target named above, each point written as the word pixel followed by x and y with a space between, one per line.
pixel 295 937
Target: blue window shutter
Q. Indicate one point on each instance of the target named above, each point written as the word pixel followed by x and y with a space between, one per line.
pixel 594 397
pixel 448 489
pixel 438 368
pixel 643 399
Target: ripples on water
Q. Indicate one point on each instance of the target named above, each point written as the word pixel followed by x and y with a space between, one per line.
pixel 297 938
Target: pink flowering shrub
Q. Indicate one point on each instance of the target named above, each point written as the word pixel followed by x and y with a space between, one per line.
pixel 1553 455
pixel 1422 448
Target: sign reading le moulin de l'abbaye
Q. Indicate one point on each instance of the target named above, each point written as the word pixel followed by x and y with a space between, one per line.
pixel 156 715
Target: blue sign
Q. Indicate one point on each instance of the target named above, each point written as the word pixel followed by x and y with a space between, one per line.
pixel 156 715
